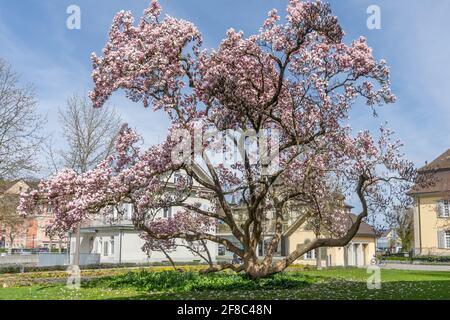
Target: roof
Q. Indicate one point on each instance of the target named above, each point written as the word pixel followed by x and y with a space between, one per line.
pixel 5 185
pixel 434 177
pixel 293 227
pixel 365 229
pixel 385 233
pixel 441 162
pixel 434 182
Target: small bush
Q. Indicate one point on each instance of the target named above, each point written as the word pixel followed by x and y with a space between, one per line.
pixel 172 281
pixel 428 259
pixel 17 268
pixel 442 259
pixel 396 258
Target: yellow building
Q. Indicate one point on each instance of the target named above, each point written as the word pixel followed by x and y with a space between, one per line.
pixel 359 252
pixel 432 208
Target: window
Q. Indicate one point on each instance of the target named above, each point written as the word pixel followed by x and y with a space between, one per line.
pixel 167 213
pixel 129 211
pixel 176 177
pixel 111 246
pixel 49 209
pixel 98 245
pixel 115 213
pixel 126 211
pixel 185 179
pixel 106 248
pixel 444 209
pixel 447 239
pixel 310 255
pixel 221 250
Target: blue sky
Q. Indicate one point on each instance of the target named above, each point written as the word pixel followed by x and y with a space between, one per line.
pixel 413 39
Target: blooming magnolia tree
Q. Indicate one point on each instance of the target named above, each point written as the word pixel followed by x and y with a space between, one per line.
pixel 292 84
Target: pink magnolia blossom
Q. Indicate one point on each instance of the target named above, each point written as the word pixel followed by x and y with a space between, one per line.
pixel 296 77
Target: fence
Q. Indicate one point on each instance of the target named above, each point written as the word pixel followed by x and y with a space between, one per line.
pixel 88 258
pixel 48 259
pixel 53 259
pixel 31 259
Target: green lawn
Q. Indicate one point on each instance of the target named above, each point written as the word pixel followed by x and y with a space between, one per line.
pixel 325 284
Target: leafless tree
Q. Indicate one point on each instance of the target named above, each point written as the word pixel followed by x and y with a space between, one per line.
pixel 405 228
pixel 10 221
pixel 20 126
pixel 89 133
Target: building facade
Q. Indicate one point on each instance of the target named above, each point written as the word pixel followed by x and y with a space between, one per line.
pixel 432 208
pixel 30 233
pixel 389 241
pixel 115 239
pixel 359 252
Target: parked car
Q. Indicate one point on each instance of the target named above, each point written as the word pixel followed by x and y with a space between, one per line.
pixel 39 250
pixel 22 252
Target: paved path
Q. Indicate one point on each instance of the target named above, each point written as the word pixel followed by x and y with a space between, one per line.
pixel 423 267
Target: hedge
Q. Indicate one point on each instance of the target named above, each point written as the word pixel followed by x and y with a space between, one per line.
pixel 17 268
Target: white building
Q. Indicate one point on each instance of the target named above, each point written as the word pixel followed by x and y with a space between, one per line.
pixel 119 241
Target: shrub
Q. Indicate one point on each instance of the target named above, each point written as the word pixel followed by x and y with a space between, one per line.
pixel 17 268
pixel 396 258
pixel 433 258
pixel 193 281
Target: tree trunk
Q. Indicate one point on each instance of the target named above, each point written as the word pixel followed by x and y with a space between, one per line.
pixel 319 258
pixel 11 241
pixel 76 256
pixel 170 260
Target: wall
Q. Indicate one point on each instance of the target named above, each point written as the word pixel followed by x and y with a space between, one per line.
pixel 298 237
pixel 430 224
pixel 131 251
pixel 336 253
pixel 19 259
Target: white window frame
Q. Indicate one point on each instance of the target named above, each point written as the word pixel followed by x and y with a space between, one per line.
pixel 126 211
pixel 99 248
pixel 167 212
pixel 176 176
pixel 221 250
pixel 445 212
pixel 310 255
pixel 447 239
pixel 106 248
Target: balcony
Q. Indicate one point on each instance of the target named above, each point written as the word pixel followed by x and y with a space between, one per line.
pixel 106 222
pixel 268 227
